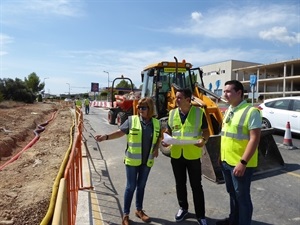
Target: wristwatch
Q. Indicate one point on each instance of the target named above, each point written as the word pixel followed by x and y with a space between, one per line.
pixel 243 162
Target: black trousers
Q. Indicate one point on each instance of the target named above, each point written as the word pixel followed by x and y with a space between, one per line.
pixel 182 167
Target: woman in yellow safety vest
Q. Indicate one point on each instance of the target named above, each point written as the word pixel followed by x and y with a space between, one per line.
pixel 143 137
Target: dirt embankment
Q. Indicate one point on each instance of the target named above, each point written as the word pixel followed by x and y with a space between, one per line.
pixel 26 184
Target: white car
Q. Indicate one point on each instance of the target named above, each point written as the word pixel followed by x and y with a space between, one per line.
pixel 276 112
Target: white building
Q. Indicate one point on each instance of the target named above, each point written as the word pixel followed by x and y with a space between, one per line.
pixel 273 80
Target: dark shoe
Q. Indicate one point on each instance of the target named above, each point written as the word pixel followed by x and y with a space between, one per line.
pixel 201 221
pixel 125 220
pixel 223 222
pixel 142 215
pixel 181 214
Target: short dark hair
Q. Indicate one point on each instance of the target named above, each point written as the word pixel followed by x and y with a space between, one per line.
pixel 186 92
pixel 237 85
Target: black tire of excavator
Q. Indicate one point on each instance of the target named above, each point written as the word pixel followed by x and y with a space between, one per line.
pixel 121 118
pixel 112 117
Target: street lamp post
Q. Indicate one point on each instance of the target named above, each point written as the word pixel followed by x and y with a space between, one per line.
pixel 107 82
pixel 107 78
pixel 45 85
pixel 69 90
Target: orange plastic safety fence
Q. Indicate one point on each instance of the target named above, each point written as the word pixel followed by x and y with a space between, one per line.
pixel 73 171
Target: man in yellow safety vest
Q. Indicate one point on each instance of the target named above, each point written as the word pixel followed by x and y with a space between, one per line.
pixel 188 123
pixel 240 137
pixel 87 105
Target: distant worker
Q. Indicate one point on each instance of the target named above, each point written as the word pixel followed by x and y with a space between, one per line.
pixel 87 105
pixel 78 103
pixel 240 135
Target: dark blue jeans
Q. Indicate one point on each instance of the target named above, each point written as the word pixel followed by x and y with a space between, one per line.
pixel 87 109
pixel 241 207
pixel 181 167
pixel 137 177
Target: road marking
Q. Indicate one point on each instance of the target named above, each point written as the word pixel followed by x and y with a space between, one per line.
pixel 95 209
pixel 97 216
pixel 292 173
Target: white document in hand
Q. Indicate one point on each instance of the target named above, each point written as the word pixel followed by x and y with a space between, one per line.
pixel 172 141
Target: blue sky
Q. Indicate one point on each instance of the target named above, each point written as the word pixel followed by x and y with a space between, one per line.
pixel 74 41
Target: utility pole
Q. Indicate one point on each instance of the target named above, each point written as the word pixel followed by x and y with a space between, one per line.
pixel 45 85
pixel 107 78
pixel 69 90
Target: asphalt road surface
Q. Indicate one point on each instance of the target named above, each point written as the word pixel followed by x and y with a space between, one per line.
pixel 275 195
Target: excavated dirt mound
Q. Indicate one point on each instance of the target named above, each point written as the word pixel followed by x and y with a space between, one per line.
pixel 26 183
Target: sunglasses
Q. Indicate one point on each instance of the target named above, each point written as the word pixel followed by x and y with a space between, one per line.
pixel 229 117
pixel 142 107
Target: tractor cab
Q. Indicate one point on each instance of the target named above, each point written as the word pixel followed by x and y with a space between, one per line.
pixel 161 80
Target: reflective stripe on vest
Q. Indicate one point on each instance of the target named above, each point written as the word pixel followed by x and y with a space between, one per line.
pixel 239 135
pixel 133 155
pixel 195 133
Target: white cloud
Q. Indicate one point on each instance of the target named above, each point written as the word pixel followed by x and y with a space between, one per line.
pixel 4 40
pixel 57 7
pixel 60 7
pixel 196 16
pixel 280 34
pixel 244 22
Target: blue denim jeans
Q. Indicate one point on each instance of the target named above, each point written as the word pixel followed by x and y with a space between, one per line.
pixel 241 207
pixel 87 109
pixel 137 177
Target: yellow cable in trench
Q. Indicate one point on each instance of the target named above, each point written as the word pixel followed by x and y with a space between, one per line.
pixel 49 214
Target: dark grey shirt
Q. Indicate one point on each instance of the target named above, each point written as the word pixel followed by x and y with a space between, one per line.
pixel 147 136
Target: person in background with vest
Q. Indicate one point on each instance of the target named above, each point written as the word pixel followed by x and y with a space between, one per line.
pixel 87 105
pixel 78 103
pixel 143 138
pixel 240 137
pixel 188 122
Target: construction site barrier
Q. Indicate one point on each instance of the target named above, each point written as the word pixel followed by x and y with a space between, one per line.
pixel 269 157
pixel 72 181
pixel 101 104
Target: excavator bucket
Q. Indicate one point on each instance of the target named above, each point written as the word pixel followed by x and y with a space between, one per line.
pixel 269 157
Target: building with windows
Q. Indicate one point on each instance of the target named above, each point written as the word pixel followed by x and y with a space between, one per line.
pixel 277 79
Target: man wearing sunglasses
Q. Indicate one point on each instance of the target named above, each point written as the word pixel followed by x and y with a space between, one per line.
pixel 240 137
pixel 188 122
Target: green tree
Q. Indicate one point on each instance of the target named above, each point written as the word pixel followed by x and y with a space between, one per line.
pixel 16 90
pixel 33 83
pixel 124 84
pixel 1 97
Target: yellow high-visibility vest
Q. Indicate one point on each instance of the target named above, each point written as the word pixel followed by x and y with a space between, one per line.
pixel 133 155
pixel 78 103
pixel 87 102
pixel 190 130
pixel 235 137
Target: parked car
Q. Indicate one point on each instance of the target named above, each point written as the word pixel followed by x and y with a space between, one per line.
pixel 276 112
